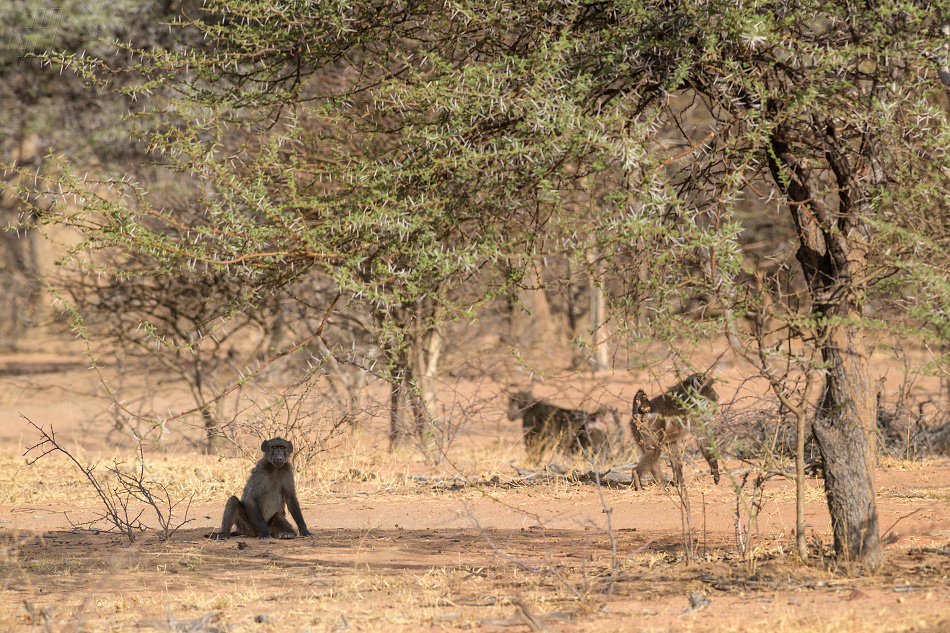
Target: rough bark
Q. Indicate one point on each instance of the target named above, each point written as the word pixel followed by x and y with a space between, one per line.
pixel 800 538
pixel 833 256
pixel 399 392
pixel 395 402
pixel 844 430
pixel 397 380
pixel 413 366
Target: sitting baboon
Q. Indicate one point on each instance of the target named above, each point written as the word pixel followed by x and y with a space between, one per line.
pixel 260 510
pixel 586 430
pixel 664 422
pixel 545 424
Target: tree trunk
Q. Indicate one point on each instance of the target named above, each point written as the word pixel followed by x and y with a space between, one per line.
pixel 213 433
pixel 800 539
pixel 845 433
pixel 216 439
pixel 412 365
pixel 397 388
pixel 19 265
pixel 573 313
pixel 600 357
pixel 427 349
pixel 395 400
pixel 531 316
pixel 402 397
pixel 833 256
pixel 399 372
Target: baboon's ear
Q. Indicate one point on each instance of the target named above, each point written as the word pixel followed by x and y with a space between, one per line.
pixel 290 447
pixel 265 445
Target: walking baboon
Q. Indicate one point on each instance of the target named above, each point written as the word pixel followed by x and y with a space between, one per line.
pixel 664 422
pixel 545 425
pixel 260 510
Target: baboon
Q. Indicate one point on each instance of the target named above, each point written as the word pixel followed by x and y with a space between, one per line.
pixel 260 510
pixel 664 422
pixel 586 430
pixel 545 424
pixel 595 424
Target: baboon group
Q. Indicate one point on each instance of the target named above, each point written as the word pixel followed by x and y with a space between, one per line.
pixel 546 425
pixel 656 424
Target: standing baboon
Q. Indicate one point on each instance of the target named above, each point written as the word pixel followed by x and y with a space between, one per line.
pixel 664 422
pixel 260 510
pixel 545 424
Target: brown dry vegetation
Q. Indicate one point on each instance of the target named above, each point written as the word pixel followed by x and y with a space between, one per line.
pixel 402 545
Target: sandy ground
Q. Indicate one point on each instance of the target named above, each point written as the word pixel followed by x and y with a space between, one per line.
pixel 494 552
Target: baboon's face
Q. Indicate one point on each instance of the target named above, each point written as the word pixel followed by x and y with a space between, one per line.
pixel 702 385
pixel 597 431
pixel 517 403
pixel 641 404
pixel 708 392
pixel 277 451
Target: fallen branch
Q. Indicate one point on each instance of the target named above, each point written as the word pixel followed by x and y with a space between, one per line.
pixel 524 616
pixel 617 474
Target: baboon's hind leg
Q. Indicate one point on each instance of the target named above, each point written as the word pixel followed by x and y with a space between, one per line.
pixel 235 515
pixel 227 521
pixel 676 462
pixel 635 479
pixel 280 527
pixel 710 455
pixel 649 463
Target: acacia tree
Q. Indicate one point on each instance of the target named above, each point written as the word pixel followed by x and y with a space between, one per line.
pixel 832 111
pixel 403 148
pixel 354 158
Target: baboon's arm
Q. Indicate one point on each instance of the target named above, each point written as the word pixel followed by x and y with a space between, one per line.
pixel 294 506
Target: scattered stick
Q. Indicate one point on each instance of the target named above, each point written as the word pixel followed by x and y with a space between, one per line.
pixel 533 622
pixel 524 616
pixel 934 550
pixel 616 475
pixel 697 601
pixel 889 536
